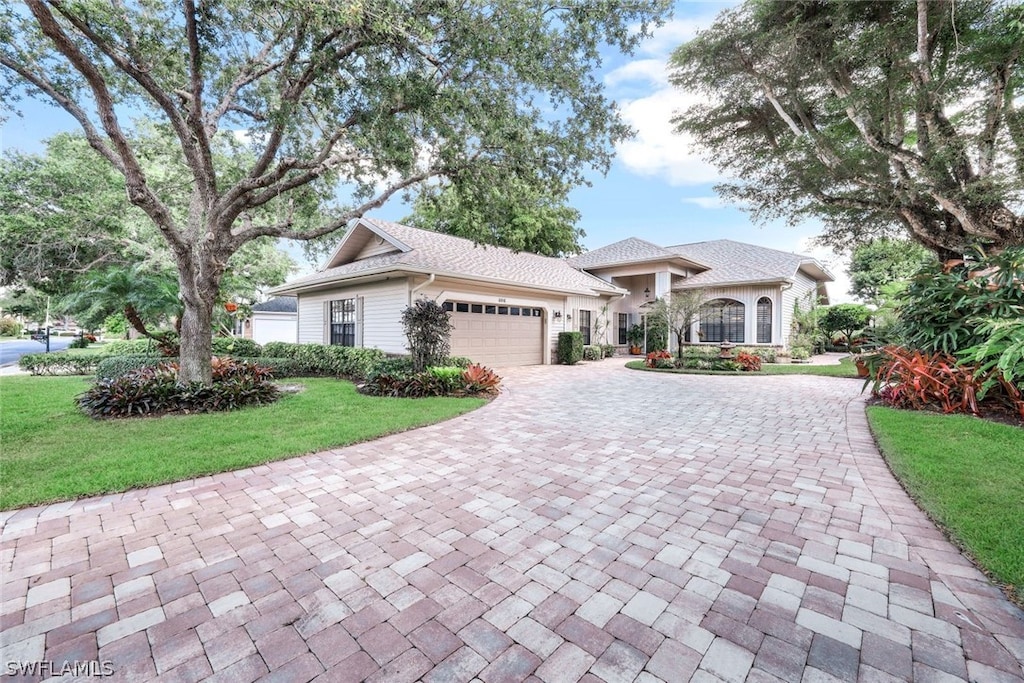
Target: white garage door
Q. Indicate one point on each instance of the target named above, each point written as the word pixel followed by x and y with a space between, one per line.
pixel 497 335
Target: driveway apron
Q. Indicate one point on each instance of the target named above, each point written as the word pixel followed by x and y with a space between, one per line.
pixel 592 523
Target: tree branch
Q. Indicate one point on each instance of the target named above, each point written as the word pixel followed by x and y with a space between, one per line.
pixel 139 192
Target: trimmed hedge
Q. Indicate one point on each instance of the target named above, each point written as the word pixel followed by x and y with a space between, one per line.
pixel 131 347
pixel 593 353
pixel 570 348
pixel 118 366
pixel 112 367
pixel 59 363
pixel 324 359
pixel 239 347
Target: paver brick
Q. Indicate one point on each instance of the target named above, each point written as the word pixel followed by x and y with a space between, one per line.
pixel 542 537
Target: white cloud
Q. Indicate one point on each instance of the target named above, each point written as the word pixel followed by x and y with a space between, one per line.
pixel 653 71
pixel 657 150
pixel 712 202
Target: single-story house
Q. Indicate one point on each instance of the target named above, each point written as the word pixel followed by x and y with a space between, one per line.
pixel 507 307
pixel 273 320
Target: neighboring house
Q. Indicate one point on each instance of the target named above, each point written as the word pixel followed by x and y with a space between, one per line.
pixel 273 320
pixel 508 307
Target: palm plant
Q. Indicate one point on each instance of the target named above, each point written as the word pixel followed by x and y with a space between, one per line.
pixel 148 299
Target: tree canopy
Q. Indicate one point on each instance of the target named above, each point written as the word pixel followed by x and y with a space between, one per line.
pixel 514 214
pixel 881 262
pixel 334 106
pixel 873 117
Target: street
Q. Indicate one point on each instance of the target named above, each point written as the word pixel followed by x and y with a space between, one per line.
pixel 11 351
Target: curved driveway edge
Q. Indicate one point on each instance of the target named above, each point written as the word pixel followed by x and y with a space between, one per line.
pixel 590 524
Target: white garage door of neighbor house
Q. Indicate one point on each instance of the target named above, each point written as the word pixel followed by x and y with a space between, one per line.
pixel 497 335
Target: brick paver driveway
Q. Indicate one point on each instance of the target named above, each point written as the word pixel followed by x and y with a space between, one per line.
pixel 592 522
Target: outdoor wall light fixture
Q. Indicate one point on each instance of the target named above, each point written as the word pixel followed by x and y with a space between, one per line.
pixel 568 318
pixel 647 292
pixel 557 315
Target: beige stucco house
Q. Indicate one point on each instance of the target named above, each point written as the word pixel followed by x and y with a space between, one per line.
pixel 507 308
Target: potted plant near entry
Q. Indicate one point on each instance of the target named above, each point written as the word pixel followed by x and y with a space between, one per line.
pixel 635 337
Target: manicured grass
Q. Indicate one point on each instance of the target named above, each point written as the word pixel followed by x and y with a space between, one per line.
pixel 845 368
pixel 968 475
pixel 53 452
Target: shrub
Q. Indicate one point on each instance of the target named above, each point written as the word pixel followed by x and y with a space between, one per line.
pixel 570 348
pixel 592 353
pixel 436 381
pixel 726 365
pixel 458 362
pixel 608 349
pixel 9 327
pixel 450 377
pixel 59 363
pixel 846 319
pixel 328 360
pixel 131 347
pixel 428 329
pixel 999 359
pixel 800 353
pixel 748 362
pixel 79 342
pixel 276 349
pixel 399 366
pixel 236 346
pixel 112 367
pixel 942 308
pixel 156 390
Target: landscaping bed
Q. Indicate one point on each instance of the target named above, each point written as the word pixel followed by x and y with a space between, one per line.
pixel 845 368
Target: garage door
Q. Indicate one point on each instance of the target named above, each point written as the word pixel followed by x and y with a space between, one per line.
pixel 497 335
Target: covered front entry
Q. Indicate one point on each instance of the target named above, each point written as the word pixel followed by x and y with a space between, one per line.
pixel 497 335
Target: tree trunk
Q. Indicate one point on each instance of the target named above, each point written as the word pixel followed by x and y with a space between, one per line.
pixel 199 289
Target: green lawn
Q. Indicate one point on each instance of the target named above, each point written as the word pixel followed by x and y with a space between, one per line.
pixel 968 475
pixel 52 452
pixel 845 368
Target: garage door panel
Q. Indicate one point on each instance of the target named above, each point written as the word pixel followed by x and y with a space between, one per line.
pixel 498 340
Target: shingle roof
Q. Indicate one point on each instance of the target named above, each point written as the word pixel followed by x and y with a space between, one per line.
pixel 735 262
pixel 280 304
pixel 432 252
pixel 630 250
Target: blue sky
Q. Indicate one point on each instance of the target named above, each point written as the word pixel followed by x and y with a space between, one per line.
pixel 658 189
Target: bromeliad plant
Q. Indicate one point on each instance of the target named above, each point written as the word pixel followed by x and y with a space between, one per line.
pixel 474 380
pixel 920 380
pixel 157 391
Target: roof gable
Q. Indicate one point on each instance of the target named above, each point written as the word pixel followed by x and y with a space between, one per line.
pixel 732 262
pixel 360 240
pixel 628 251
pixel 424 251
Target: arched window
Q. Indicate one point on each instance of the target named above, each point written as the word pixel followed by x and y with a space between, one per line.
pixel 764 320
pixel 721 320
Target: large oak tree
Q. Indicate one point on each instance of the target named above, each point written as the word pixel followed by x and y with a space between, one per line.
pixel 871 116
pixel 345 102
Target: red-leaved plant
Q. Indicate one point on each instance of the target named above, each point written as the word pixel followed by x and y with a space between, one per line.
pixel 748 361
pixel 654 356
pixel 480 379
pixel 905 378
